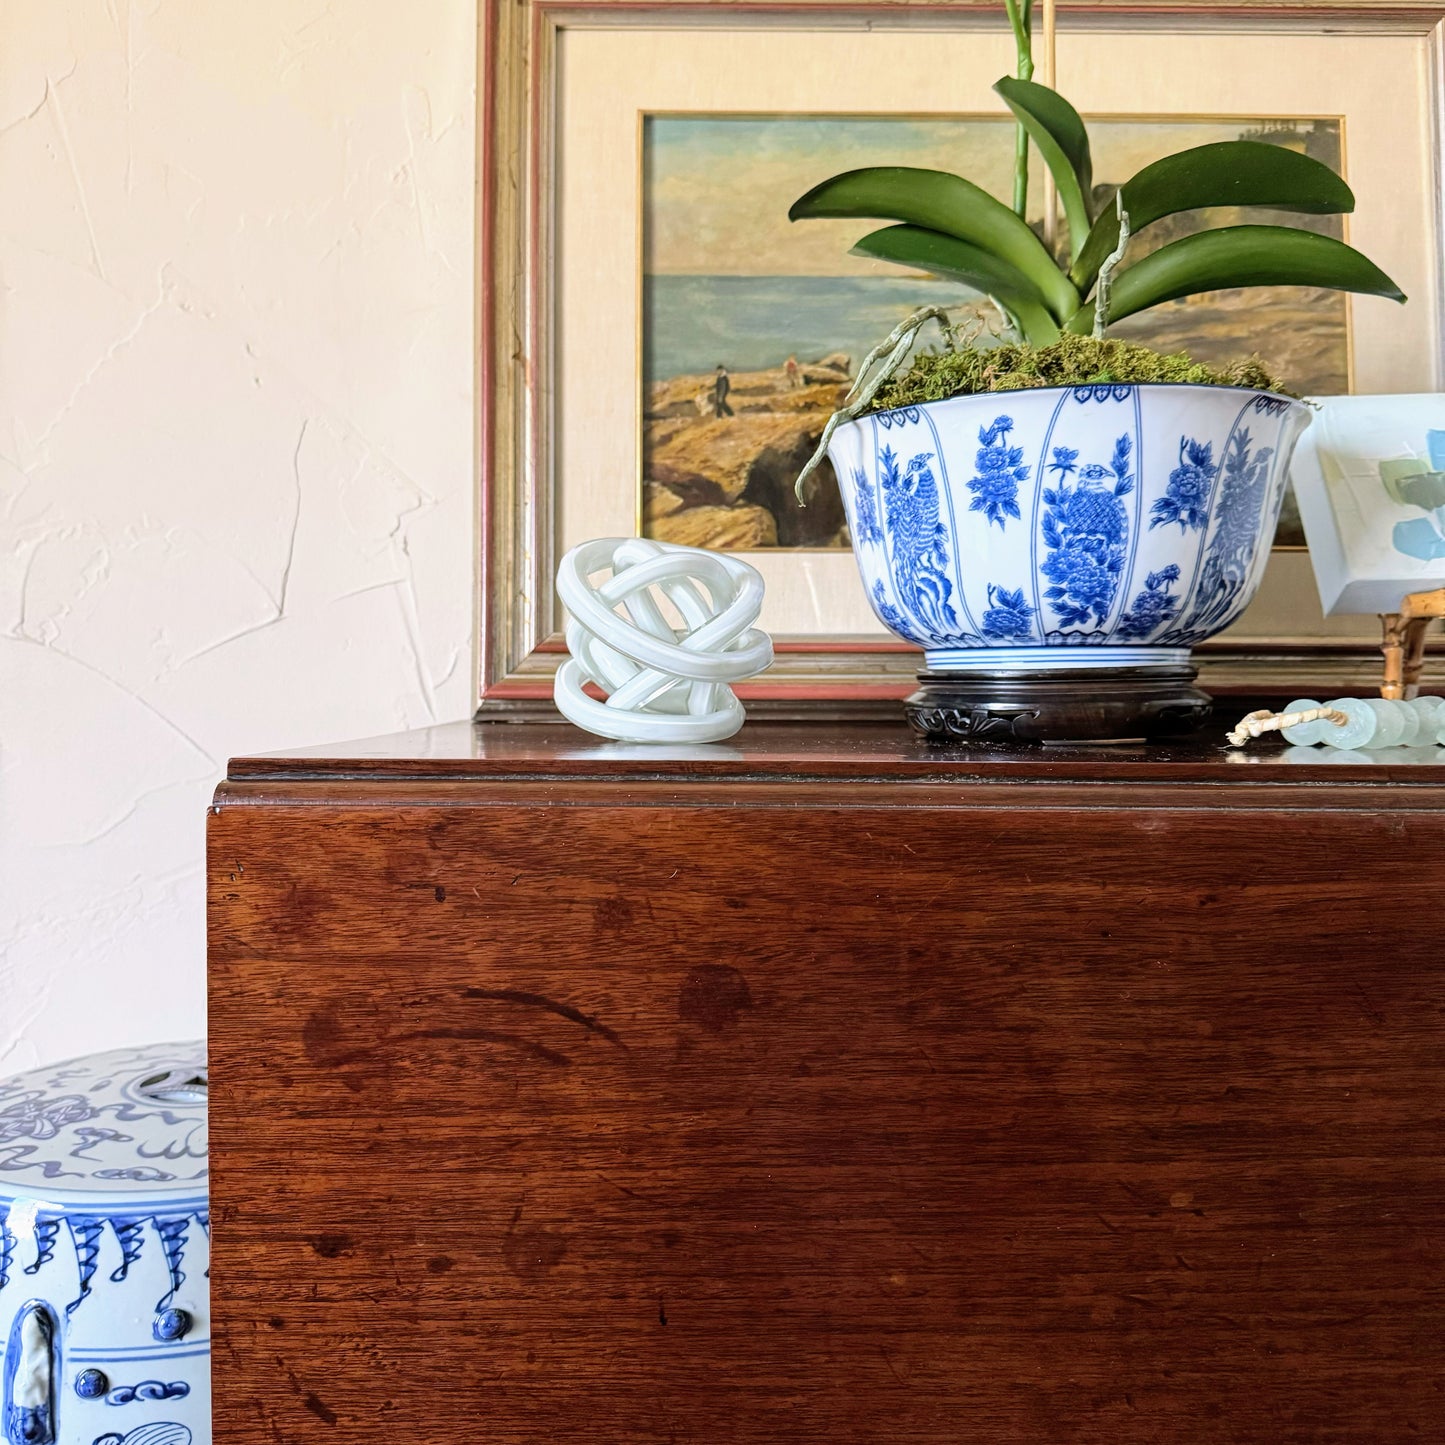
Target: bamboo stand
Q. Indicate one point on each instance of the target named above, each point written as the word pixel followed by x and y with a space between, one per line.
pixel 1404 641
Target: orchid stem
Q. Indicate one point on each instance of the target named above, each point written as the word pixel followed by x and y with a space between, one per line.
pixel 1020 16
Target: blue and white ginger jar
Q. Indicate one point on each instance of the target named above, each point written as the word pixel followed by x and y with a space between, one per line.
pixel 1099 526
pixel 105 1251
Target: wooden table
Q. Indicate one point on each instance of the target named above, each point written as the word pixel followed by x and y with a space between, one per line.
pixel 821 1088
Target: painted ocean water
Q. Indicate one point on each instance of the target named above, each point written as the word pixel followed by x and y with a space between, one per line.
pixel 752 323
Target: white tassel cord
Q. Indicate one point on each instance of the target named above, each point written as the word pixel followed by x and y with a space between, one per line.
pixel 1256 724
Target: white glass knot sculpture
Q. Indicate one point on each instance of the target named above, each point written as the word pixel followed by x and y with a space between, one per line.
pixel 665 684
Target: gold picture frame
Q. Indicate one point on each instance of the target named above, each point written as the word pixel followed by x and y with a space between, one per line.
pixel 519 540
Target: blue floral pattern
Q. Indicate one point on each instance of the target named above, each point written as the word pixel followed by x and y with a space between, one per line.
pixel 1008 617
pixel 888 614
pixel 35 1117
pixel 1152 607
pixel 1186 498
pixel 918 541
pixel 1000 469
pixel 1133 527
pixel 50 1129
pixel 1085 528
pixel 88 1221
pixel 1236 532
pixel 865 504
pixel 160 1432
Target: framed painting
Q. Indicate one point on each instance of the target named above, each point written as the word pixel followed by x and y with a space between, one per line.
pixel 722 439
pixel 660 347
pixel 1370 475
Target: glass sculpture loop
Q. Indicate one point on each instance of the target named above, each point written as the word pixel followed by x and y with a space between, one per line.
pixel 665 683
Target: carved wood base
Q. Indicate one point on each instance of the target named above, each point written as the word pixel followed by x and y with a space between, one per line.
pixel 1087 705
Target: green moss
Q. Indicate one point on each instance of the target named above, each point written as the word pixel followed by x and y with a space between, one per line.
pixel 1069 361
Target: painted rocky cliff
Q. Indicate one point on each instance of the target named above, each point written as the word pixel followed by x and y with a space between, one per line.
pixel 727 481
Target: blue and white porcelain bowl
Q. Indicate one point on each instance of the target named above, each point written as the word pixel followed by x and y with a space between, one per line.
pixel 1090 526
pixel 105 1251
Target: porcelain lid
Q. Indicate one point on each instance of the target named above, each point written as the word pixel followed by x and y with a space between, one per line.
pixel 125 1123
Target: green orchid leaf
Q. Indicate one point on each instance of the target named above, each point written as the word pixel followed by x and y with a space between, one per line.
pixel 1055 128
pixel 957 260
pixel 938 201
pixel 1226 173
pixel 1240 256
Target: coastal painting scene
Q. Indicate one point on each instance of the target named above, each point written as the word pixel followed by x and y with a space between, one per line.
pixel 752 325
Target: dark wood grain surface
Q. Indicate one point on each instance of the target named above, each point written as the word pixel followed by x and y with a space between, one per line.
pixel 801 751
pixel 854 1095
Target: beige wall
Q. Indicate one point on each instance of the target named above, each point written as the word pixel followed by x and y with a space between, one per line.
pixel 236 457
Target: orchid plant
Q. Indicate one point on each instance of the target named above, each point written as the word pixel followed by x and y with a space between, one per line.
pixel 946 225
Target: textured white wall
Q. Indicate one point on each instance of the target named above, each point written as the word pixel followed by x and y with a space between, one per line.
pixel 236 455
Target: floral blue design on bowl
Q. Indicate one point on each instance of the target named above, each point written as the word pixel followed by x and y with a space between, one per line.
pixel 105 1250
pixel 1084 526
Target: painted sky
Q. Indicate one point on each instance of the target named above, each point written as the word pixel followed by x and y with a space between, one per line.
pixel 718 188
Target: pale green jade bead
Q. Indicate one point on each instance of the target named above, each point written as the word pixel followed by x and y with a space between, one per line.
pixel 1306 734
pixel 1359 731
pixel 1391 716
pixel 1410 733
pixel 1431 712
